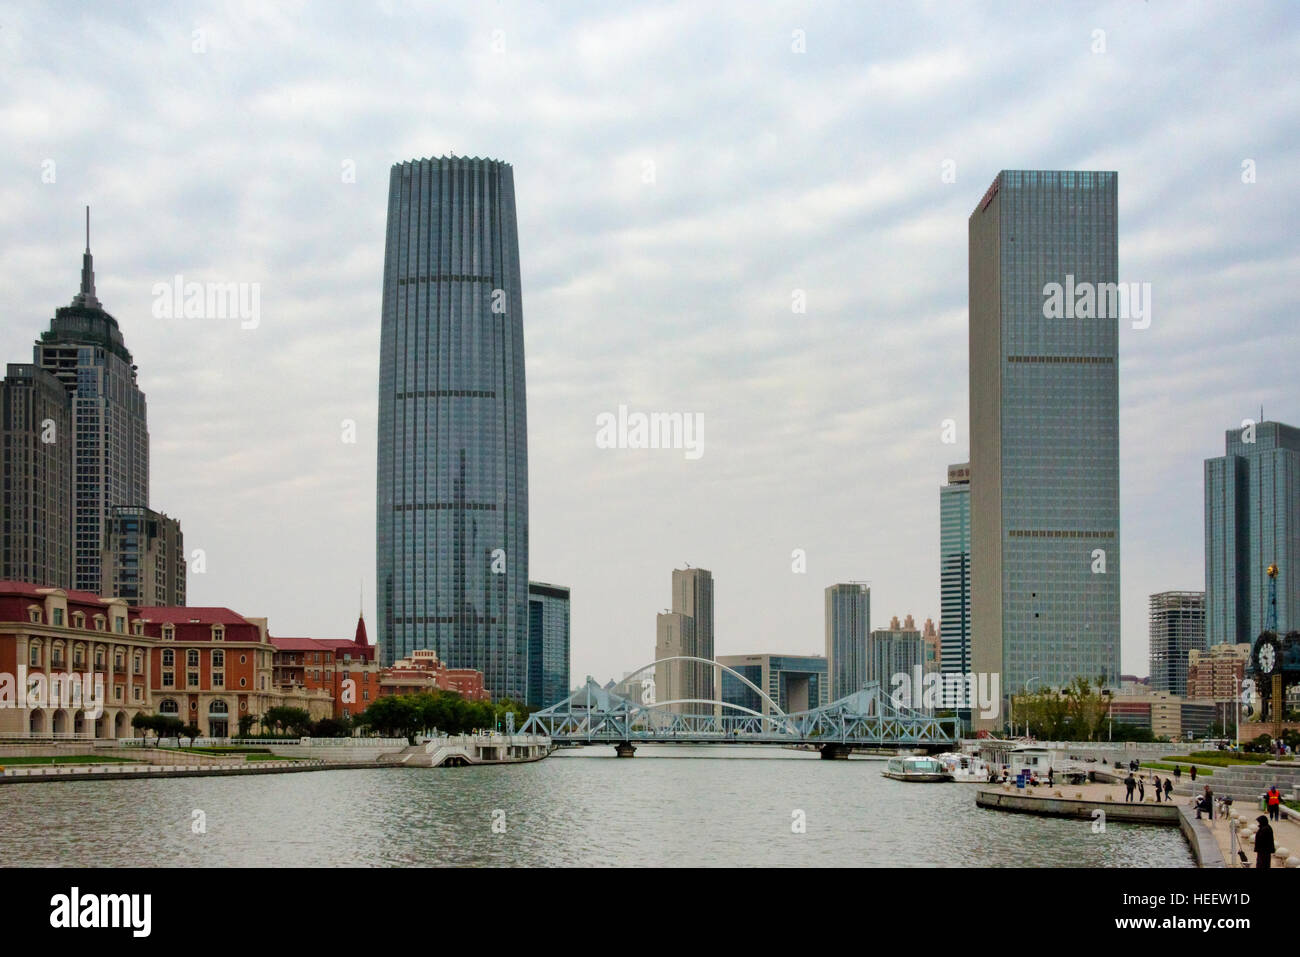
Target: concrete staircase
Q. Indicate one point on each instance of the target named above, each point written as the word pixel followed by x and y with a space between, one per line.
pixel 1244 783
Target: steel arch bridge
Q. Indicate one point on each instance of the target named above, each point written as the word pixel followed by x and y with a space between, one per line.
pixel 865 719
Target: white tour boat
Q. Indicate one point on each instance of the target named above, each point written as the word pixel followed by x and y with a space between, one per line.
pixel 965 768
pixel 910 767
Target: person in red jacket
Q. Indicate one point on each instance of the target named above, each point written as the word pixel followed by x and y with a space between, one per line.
pixel 1274 803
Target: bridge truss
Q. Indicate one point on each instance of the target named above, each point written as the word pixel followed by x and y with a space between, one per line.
pixel 867 718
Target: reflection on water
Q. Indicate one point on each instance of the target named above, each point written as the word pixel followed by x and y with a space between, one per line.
pixel 666 806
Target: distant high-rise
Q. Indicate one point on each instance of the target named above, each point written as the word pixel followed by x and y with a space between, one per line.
pixel 848 624
pixel 452 483
pixel 36 447
pixel 85 350
pixel 144 557
pixel 1176 624
pixel 686 630
pixel 1044 424
pixel 1252 520
pixel 548 644
pixel 896 650
pixel 954 572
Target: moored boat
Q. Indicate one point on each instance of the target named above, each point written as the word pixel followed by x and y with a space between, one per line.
pixel 964 768
pixel 917 768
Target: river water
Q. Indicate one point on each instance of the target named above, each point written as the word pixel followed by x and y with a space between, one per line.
pixel 667 806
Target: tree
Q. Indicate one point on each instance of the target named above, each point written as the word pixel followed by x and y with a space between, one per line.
pixel 1262 744
pixel 246 722
pixel 296 720
pixel 331 728
pixel 143 722
pixel 191 731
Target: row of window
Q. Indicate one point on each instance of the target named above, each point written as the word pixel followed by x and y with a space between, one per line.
pixel 37 616
pixel 36 657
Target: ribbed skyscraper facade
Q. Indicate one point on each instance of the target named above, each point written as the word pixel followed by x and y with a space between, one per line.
pixel 1044 419
pixel 1252 520
pixel 452 490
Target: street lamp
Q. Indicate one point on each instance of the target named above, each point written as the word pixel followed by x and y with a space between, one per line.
pixel 1027 684
pixel 1236 704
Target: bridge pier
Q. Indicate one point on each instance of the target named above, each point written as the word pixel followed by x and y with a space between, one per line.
pixel 835 752
pixel 624 749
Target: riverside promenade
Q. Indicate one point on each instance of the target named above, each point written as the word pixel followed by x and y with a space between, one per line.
pixel 1102 803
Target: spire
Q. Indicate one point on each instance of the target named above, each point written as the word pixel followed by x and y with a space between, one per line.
pixel 361 637
pixel 86 297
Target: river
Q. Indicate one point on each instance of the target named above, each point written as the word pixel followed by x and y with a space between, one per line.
pixel 667 806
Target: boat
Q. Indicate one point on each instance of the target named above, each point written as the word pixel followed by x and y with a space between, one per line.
pixel 916 768
pixel 964 768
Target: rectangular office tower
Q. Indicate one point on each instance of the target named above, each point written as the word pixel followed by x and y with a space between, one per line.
pixel 795 682
pixel 1252 520
pixel 1176 625
pixel 85 351
pixel 452 484
pixel 36 442
pixel 954 576
pixel 1044 419
pixel 548 644
pixel 144 557
pixel 848 624
pixel 686 631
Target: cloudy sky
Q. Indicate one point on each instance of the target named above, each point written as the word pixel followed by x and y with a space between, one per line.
pixel 681 170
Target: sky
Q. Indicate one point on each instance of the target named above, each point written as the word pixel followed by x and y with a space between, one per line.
pixel 685 173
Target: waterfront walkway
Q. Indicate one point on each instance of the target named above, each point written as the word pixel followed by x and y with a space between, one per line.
pixel 119 771
pixel 1102 803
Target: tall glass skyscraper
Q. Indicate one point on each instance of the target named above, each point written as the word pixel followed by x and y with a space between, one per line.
pixel 84 349
pixel 954 572
pixel 548 644
pixel 36 452
pixel 1252 520
pixel 848 625
pixel 452 491
pixel 1044 410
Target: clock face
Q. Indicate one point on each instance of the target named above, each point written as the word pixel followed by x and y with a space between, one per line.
pixel 1267 658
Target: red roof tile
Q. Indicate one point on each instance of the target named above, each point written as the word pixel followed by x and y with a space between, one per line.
pixel 184 615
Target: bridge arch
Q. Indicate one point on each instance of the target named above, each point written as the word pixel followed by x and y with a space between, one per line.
pixel 708 661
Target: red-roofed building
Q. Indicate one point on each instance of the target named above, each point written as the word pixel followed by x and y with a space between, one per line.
pixel 209 666
pixel 346 670
pixel 424 671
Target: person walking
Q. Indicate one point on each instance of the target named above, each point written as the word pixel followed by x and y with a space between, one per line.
pixel 1129 784
pixel 1264 846
pixel 1142 789
pixel 1169 790
pixel 1274 803
pixel 1178 773
pixel 1193 774
pixel 1155 779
